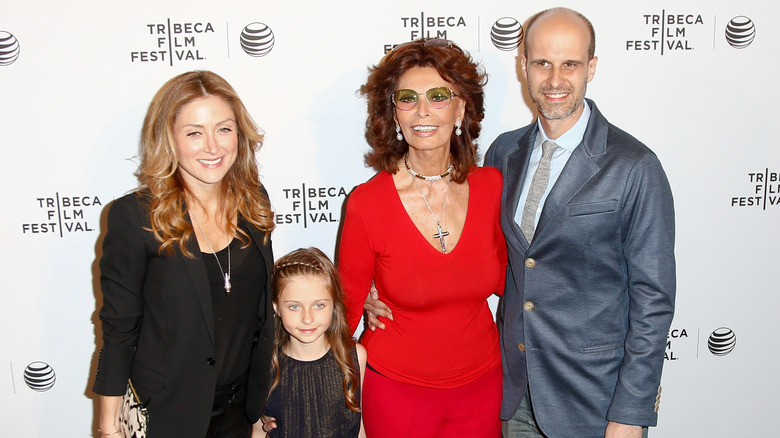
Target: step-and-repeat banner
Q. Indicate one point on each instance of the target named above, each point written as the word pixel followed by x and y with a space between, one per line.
pixel 694 80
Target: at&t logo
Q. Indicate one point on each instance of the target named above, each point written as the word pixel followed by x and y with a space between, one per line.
pixel 9 48
pixel 740 32
pixel 257 39
pixel 722 341
pixel 506 34
pixel 39 376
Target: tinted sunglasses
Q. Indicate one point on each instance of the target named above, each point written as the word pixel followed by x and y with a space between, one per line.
pixel 437 97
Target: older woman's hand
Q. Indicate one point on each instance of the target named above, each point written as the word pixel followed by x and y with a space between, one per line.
pixel 264 425
pixel 374 309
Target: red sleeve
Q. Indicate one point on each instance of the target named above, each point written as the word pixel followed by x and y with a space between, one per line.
pixel 357 260
pixel 499 234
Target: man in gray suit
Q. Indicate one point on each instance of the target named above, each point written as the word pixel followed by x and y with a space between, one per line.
pixel 589 223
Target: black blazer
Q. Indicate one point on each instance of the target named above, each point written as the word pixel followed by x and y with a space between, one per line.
pixel 158 324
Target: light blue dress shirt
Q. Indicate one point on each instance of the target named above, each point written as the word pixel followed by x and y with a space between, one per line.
pixel 567 142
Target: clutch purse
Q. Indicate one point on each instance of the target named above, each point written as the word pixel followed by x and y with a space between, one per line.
pixel 133 415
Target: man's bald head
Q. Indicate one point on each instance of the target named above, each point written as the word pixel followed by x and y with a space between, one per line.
pixel 561 13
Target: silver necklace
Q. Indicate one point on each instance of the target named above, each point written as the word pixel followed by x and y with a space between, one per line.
pixel 425 177
pixel 440 235
pixel 225 275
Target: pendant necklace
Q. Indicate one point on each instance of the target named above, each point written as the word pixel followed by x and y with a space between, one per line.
pixel 225 275
pixel 440 235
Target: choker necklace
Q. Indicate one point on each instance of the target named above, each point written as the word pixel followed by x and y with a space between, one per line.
pixel 225 275
pixel 440 235
pixel 425 177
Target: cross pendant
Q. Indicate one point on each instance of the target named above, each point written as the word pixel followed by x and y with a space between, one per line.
pixel 440 235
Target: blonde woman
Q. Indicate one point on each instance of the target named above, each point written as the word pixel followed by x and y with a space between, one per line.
pixel 186 269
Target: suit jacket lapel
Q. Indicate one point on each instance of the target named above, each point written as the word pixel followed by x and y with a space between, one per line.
pixel 200 284
pixel 578 170
pixel 517 168
pixel 267 253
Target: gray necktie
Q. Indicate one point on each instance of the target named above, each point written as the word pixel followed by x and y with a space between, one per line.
pixel 538 187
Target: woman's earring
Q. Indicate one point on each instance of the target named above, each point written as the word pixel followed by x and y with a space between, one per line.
pixel 398 135
pixel 457 128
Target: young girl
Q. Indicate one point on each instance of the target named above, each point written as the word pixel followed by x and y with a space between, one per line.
pixel 318 367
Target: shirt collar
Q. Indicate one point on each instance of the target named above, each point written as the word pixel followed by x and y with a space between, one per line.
pixel 571 138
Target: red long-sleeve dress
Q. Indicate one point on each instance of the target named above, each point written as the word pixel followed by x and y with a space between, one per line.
pixel 443 334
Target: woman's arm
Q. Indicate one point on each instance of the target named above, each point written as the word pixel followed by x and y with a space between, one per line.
pixel 109 416
pixel 122 274
pixel 357 260
pixel 362 358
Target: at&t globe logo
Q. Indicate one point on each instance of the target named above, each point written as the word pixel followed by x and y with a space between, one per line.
pixel 39 376
pixel 9 48
pixel 722 341
pixel 257 39
pixel 506 34
pixel 740 32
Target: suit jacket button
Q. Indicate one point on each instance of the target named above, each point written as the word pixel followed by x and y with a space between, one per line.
pixel 530 263
pixel 521 347
pixel 529 306
pixel 211 361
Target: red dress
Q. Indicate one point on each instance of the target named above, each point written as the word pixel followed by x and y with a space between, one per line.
pixel 443 334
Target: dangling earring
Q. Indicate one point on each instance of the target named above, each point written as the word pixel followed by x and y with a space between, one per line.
pixel 457 128
pixel 398 135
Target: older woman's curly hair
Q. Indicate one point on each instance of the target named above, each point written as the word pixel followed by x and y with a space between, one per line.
pixel 453 65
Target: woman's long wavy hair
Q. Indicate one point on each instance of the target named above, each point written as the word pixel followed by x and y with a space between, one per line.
pixel 453 65
pixel 241 191
pixel 311 262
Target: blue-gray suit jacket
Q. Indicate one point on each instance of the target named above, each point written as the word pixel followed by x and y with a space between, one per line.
pixel 588 305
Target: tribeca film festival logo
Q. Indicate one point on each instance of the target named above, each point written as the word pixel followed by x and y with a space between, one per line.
pixel 765 191
pixel 429 26
pixel 9 48
pixel 506 34
pixel 308 205
pixel 680 346
pixel 740 32
pixel 666 32
pixel 672 339
pixel 39 376
pixel 63 214
pixel 173 42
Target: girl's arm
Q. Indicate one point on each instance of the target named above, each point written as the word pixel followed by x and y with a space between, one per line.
pixel 362 357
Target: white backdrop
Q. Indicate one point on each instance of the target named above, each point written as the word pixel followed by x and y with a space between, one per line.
pixel 76 78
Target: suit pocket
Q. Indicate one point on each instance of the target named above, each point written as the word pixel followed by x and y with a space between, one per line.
pixel 600 348
pixel 593 208
pixel 146 381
